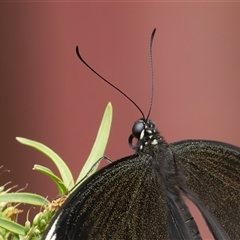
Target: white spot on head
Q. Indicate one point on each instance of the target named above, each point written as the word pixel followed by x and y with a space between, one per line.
pixel 142 134
pixel 154 142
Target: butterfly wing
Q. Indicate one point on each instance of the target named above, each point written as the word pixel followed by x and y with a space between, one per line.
pixel 212 171
pixel 124 200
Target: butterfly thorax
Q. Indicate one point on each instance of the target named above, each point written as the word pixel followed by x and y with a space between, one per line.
pixel 160 156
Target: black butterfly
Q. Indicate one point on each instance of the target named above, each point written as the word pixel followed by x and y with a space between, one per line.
pixel 142 196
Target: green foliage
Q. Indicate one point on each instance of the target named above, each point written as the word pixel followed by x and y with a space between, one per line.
pixel 10 201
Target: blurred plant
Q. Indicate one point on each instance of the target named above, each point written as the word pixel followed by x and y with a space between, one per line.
pixel 10 201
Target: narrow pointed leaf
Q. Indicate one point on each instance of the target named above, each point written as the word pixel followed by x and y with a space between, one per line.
pixel 22 197
pixel 99 144
pixel 60 164
pixel 62 189
pixel 12 226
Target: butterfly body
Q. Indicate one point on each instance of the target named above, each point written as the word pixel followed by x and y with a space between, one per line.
pixel 143 196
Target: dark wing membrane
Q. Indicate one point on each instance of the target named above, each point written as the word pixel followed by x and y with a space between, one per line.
pixel 212 172
pixel 124 200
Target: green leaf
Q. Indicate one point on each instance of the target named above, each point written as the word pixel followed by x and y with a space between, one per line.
pixel 12 226
pixel 21 197
pixel 99 144
pixel 62 189
pixel 60 164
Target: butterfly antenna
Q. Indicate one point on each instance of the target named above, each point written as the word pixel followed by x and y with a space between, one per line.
pixel 80 57
pixel 151 60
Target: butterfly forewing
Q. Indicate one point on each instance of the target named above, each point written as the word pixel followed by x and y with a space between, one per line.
pixel 212 171
pixel 124 200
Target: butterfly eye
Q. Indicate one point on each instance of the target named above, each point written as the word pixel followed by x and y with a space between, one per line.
pixel 137 129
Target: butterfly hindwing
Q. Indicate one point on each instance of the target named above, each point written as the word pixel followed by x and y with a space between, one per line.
pixel 181 222
pixel 212 172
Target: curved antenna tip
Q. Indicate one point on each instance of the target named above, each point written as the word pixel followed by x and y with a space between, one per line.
pixel 153 33
pixel 151 42
pixel 78 53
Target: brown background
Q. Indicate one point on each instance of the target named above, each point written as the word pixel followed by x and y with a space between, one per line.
pixel 48 95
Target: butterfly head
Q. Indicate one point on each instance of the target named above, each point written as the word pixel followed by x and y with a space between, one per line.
pixel 146 134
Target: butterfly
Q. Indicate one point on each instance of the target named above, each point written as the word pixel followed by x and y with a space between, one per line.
pixel 142 196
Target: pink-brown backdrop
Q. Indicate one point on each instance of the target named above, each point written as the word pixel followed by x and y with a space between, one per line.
pixel 48 95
